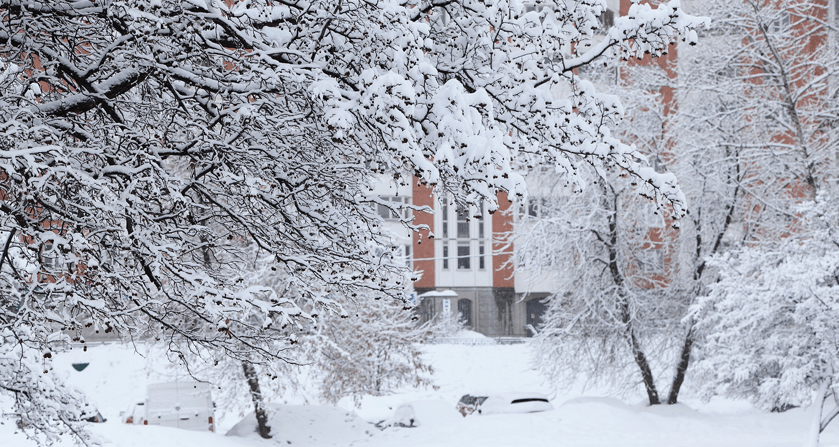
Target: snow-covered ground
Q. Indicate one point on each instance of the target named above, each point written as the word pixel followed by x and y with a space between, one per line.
pixel 117 376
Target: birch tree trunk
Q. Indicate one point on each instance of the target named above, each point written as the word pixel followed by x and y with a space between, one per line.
pixel 816 421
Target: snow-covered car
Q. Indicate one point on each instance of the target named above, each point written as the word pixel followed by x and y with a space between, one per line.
pixel 504 403
pixel 135 414
pixel 468 404
pixel 424 413
pixel 93 415
pixel 186 405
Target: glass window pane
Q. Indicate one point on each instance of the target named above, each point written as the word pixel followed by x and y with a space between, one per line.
pixel 481 222
pixel 481 262
pixel 463 257
pixel 383 211
pixel 651 260
pixel 532 207
pixel 445 218
pixel 386 212
pixel 406 212
pixel 462 223
pixel 463 230
pixel 445 256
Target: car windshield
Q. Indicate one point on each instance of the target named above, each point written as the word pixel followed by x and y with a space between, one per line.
pixel 472 400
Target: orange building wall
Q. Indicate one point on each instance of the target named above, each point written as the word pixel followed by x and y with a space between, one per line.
pixel 502 223
pixel 423 246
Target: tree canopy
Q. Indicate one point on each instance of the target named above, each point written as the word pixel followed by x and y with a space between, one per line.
pixel 154 150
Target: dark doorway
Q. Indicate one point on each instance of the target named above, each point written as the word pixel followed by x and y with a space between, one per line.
pixel 464 309
pixel 535 310
pixel 426 309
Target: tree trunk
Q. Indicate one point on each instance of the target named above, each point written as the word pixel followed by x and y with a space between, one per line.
pixel 262 426
pixel 646 371
pixel 625 314
pixel 816 421
pixel 681 369
pixel 258 405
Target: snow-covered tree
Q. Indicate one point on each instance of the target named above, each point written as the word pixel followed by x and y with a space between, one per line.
pixel 770 322
pixel 610 309
pixel 767 93
pixel 751 134
pixel 371 351
pixel 620 290
pixel 252 378
pixel 367 346
pixel 774 107
pixel 150 146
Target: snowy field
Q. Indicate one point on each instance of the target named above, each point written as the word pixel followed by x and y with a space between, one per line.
pixel 117 376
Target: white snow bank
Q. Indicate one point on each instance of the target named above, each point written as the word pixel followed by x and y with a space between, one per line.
pixel 459 369
pixel 596 400
pixel 116 377
pixel 306 425
pixel 115 434
pixel 468 334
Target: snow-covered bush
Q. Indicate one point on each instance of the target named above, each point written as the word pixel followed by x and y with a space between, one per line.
pixel 769 324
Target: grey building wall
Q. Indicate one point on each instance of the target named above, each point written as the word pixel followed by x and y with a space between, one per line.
pixel 496 311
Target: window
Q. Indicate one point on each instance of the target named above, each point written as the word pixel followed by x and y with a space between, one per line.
pixel 389 214
pixel 658 164
pixel 462 223
pixel 779 23
pixel 607 19
pixel 463 236
pixel 531 7
pixel 445 202
pixel 439 16
pixel 535 309
pixel 378 252
pixel 463 256
pixel 536 206
pixel 426 309
pixel 533 207
pixel 445 255
pixel 651 260
pixel 48 255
